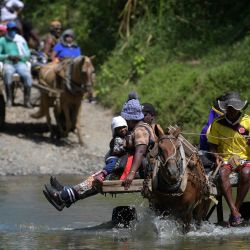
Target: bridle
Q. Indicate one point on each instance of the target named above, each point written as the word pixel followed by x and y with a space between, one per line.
pixel 74 87
pixel 180 162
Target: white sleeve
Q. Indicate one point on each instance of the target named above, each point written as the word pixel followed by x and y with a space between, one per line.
pixel 18 3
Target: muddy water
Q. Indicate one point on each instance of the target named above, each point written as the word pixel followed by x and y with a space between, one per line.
pixel 28 221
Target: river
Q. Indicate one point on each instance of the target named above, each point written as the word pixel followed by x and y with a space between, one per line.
pixel 28 221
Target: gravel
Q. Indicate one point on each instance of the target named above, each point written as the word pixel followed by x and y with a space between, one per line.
pixel 27 149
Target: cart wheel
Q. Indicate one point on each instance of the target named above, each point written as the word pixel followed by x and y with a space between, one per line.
pixel 2 110
pixel 123 216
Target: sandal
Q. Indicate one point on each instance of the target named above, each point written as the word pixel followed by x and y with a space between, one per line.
pixel 235 221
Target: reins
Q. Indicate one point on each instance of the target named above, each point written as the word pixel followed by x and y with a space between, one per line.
pixel 171 138
pixel 180 163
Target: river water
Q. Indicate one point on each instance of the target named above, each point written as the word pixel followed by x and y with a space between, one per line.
pixel 28 221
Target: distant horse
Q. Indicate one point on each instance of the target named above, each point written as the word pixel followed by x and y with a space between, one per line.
pixel 179 185
pixel 67 97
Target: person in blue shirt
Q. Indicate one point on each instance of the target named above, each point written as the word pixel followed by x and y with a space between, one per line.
pixel 66 50
pixel 66 47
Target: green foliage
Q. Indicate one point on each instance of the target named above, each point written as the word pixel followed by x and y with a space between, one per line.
pixel 183 70
pixel 94 22
pixel 178 55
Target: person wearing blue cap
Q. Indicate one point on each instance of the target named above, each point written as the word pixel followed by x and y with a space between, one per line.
pixel 141 138
pixel 14 53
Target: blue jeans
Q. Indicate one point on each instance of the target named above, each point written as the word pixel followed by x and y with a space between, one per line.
pixel 19 68
pixel 110 164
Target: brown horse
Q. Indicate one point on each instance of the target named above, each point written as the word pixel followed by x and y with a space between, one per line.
pixel 65 97
pixel 179 184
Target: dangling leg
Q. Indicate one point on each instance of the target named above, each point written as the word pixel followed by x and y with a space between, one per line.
pixel 60 196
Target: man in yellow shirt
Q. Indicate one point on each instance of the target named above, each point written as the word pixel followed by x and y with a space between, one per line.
pixel 229 139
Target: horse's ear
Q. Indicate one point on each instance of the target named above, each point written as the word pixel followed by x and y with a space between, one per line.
pixel 92 57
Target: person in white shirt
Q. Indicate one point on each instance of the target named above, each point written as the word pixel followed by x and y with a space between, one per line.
pixel 10 10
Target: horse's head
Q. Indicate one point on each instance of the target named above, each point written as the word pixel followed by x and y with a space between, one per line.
pixel 84 73
pixel 171 156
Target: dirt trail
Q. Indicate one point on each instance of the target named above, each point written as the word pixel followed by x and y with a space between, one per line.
pixel 26 147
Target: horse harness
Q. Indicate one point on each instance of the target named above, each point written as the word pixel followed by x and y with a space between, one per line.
pixel 73 87
pixel 183 165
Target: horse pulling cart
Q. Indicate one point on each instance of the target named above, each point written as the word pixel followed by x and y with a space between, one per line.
pixel 62 87
pixel 184 202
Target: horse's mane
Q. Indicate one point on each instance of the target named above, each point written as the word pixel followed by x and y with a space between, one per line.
pixel 79 63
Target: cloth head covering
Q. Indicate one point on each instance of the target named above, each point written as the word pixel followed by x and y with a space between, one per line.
pixel 68 32
pixel 117 122
pixel 148 108
pixel 11 25
pixel 132 109
pixel 232 99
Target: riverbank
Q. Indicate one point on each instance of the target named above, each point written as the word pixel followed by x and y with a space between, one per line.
pixel 26 147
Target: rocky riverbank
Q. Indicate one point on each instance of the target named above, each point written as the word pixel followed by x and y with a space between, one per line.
pixel 26 147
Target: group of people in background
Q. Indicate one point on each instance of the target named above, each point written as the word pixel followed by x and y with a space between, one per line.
pixel 16 39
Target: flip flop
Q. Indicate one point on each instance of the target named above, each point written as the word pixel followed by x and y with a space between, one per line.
pixel 235 221
pixel 50 198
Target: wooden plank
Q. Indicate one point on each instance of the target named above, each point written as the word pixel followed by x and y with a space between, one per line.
pixel 41 87
pixel 118 187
